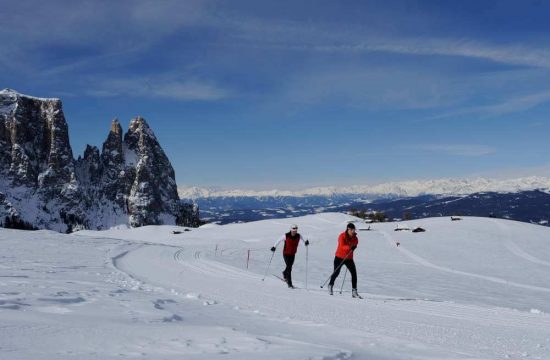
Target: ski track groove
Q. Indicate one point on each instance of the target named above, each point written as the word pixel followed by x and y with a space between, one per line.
pixel 223 269
pixel 420 260
pixel 210 267
pixel 516 250
pixel 408 320
pixel 422 307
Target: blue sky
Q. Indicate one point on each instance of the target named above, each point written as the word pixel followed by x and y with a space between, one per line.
pixel 293 94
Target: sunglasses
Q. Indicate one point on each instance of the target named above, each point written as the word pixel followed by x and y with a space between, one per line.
pixel 293 228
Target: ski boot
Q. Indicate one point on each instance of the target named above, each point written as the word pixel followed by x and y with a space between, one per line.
pixel 354 294
pixel 330 290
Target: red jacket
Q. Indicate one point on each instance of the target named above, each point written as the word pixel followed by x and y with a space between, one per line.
pixel 345 242
pixel 291 243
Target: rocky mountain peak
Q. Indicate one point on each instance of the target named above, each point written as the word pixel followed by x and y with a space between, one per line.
pixel 112 147
pixel 88 169
pixel 131 182
pixel 138 124
pixel 36 137
pixel 154 185
pixel 115 127
pixel 140 134
pixel 91 152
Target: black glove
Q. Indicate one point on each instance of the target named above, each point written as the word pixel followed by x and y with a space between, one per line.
pixel 273 248
pixel 307 242
pixel 354 247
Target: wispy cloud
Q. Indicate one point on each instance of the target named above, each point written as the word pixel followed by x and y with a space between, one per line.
pixel 514 54
pixel 348 38
pixel 470 150
pixel 87 32
pixel 103 23
pixel 376 87
pixel 114 28
pixel 109 35
pixel 517 104
pixel 511 105
pixel 404 85
pixel 515 172
pixel 163 87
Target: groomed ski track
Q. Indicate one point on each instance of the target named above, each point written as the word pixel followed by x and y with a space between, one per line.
pixel 447 329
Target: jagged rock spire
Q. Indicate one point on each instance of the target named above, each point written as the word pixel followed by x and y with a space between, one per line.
pixel 154 187
pixel 112 147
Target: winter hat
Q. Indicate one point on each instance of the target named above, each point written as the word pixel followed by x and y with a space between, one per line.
pixel 293 226
pixel 350 226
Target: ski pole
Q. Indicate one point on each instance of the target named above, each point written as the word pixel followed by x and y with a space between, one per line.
pixel 307 250
pixel 267 268
pixel 337 268
pixel 344 279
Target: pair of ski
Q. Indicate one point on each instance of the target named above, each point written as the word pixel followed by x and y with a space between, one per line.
pixel 294 287
pixel 357 296
pixel 284 280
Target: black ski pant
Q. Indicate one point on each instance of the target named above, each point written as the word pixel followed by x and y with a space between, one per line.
pixel 289 261
pixel 351 267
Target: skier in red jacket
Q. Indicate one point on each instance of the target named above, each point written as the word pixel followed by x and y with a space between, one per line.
pixel 347 243
pixel 291 239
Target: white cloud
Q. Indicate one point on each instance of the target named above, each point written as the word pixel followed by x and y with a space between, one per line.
pixel 506 173
pixel 103 23
pixel 517 104
pixel 160 87
pixel 347 38
pixel 512 54
pixel 511 105
pixel 88 32
pixel 373 87
pixel 110 35
pixel 114 27
pixel 470 150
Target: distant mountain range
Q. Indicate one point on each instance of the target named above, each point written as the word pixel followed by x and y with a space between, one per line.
pixel 527 206
pixel 523 199
pixel 391 189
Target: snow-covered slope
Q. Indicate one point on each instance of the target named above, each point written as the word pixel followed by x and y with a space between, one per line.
pixel 471 289
pixel 405 188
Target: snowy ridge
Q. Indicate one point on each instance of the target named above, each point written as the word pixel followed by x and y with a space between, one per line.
pixel 400 189
pixel 15 94
pixel 9 105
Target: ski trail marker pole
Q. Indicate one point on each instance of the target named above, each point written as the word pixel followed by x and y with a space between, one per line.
pixel 344 279
pixel 307 250
pixel 335 270
pixel 267 268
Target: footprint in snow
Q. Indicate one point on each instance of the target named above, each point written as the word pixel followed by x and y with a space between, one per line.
pixel 172 318
pixel 158 303
pixel 75 300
